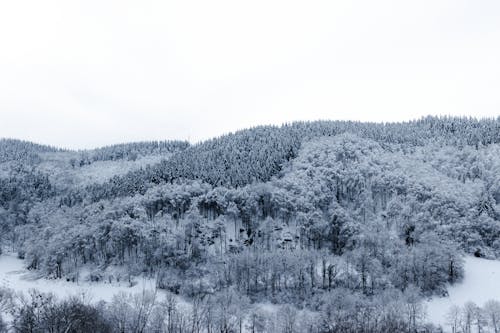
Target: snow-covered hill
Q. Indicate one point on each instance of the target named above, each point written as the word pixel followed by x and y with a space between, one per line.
pixel 58 166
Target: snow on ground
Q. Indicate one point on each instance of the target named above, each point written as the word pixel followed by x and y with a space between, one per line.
pixel 14 276
pixel 57 165
pixel 481 283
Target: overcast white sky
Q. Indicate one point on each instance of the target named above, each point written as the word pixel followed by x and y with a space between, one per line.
pixel 90 73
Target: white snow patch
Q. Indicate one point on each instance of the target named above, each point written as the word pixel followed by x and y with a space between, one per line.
pixel 268 307
pixel 481 283
pixel 58 166
pixel 14 276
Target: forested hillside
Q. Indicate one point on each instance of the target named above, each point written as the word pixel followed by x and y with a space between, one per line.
pixel 349 221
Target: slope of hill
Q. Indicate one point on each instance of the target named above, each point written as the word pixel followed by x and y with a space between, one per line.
pixel 317 215
pixel 479 286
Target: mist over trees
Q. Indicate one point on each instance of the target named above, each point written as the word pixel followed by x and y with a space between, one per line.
pixel 344 223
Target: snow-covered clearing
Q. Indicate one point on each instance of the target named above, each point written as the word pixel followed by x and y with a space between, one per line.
pixel 57 165
pixel 481 283
pixel 14 276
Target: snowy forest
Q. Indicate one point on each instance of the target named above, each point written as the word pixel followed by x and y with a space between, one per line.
pixel 340 226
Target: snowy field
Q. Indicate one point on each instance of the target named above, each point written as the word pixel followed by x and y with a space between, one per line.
pixel 14 276
pixel 481 283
